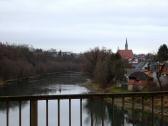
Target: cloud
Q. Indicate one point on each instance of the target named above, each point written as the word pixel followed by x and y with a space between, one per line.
pixel 90 22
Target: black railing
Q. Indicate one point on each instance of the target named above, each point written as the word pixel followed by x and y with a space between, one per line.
pixel 140 100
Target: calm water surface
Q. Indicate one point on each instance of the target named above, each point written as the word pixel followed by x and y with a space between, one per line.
pixel 66 83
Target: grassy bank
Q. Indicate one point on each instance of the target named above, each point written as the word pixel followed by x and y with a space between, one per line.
pixel 96 88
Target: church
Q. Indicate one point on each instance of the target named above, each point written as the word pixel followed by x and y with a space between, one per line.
pixel 126 53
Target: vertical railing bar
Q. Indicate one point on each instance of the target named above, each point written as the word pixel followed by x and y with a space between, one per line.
pixel 162 110
pixel 30 114
pixel 133 105
pixel 142 112
pixel 91 112
pixel 58 112
pixel 112 102
pixel 20 113
pixel 102 111
pixel 81 112
pixel 47 112
pixel 123 102
pixel 123 106
pixel 152 111
pixel 7 113
pixel 69 112
pixel 33 112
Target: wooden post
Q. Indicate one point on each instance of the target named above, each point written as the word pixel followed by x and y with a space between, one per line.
pixel 33 113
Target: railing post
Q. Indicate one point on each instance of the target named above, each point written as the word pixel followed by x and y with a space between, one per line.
pixel 133 109
pixel 162 110
pixel 123 107
pixel 142 110
pixel 7 113
pixel 47 112
pixel 20 113
pixel 58 112
pixel 33 113
pixel 91 114
pixel 81 112
pixel 69 112
pixel 112 102
pixel 152 111
pixel 102 111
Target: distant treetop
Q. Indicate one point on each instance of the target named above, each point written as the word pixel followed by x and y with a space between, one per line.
pixel 162 54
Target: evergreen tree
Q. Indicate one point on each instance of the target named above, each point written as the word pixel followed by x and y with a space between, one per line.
pixel 162 54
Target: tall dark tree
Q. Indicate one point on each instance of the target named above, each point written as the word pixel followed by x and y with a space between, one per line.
pixel 103 66
pixel 162 54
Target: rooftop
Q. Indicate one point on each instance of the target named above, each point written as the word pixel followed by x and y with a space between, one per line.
pixel 126 54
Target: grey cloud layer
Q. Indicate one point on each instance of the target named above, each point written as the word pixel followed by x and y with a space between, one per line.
pixel 64 23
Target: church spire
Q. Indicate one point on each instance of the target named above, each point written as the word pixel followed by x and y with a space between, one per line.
pixel 126 45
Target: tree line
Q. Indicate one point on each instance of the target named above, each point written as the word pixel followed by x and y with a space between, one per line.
pixel 100 65
pixel 18 61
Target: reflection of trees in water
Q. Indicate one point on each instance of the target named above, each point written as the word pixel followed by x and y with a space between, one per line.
pixel 38 86
pixel 144 119
pixel 31 87
pixel 98 110
pixel 12 105
pixel 116 116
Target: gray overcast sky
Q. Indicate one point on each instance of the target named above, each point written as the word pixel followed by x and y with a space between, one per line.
pixel 78 25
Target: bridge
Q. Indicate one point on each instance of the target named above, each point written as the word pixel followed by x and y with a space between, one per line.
pixel 136 99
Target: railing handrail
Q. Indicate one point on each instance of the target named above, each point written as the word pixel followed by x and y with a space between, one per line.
pixel 82 96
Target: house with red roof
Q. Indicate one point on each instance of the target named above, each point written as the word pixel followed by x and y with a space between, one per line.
pixel 126 54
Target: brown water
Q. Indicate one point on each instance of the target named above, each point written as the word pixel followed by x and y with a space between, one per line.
pixel 66 83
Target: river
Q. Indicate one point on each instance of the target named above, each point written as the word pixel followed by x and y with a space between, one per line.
pixel 65 83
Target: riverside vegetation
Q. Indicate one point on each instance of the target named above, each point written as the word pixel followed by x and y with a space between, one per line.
pixel 22 61
pixel 103 67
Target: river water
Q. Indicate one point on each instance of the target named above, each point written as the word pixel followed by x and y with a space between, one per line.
pixel 66 83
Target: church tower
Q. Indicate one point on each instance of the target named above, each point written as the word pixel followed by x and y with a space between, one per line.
pixel 126 53
pixel 126 45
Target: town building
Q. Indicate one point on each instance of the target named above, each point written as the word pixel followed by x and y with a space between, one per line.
pixel 146 74
pixel 126 53
pixel 138 80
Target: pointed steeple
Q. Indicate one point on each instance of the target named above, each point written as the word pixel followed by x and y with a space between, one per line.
pixel 126 45
pixel 118 48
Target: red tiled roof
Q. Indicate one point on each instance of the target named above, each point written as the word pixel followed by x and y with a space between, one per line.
pixel 126 54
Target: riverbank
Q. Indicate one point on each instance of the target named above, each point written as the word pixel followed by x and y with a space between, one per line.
pixel 3 82
pixel 96 88
pixel 33 77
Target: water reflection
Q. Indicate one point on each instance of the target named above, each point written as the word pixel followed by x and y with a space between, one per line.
pixel 12 105
pixel 69 83
pixel 96 110
pixel 102 112
pixel 117 116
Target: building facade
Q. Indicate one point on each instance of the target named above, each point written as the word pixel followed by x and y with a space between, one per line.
pixel 126 53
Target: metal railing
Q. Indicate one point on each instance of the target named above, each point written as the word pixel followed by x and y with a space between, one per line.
pixel 124 99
